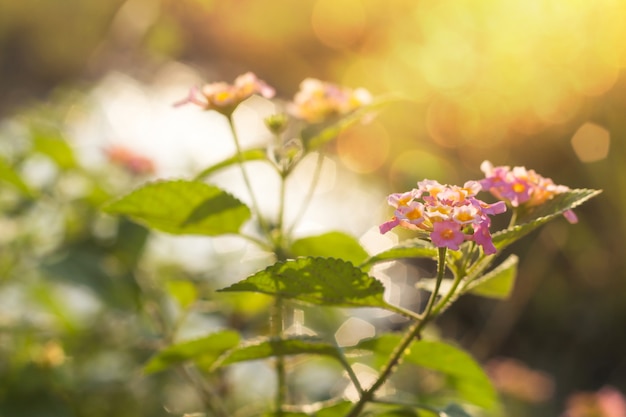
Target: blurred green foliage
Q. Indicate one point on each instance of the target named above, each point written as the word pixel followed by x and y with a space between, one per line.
pixel 73 328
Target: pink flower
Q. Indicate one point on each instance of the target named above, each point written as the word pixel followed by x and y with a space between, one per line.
pixel 519 186
pixel 317 101
pixel 449 215
pixel 224 97
pixel 447 233
pixel 133 162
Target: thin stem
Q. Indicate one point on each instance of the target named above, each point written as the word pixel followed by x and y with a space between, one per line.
pixel 276 331
pixel 441 268
pixel 260 243
pixel 244 174
pixel 513 217
pixel 309 196
pixel 412 333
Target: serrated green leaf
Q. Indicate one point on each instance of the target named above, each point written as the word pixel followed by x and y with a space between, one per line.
pixel 497 283
pixel 466 376
pixel 8 174
pixel 413 248
pixel 278 347
pixel 330 245
pixel 206 349
pixel 322 281
pixel 316 136
pixel 247 155
pixel 183 207
pixel 531 220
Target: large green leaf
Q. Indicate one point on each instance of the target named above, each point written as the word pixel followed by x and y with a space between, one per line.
pixel 413 248
pixel 278 347
pixel 8 174
pixel 206 349
pixel 183 207
pixel 497 283
pixel 247 155
pixel 316 136
pixel 323 281
pixel 532 219
pixel 330 245
pixel 465 375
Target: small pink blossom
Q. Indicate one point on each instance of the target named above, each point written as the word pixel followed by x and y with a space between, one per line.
pixel 449 214
pixel 519 186
pixel 447 234
pixel 131 161
pixel 224 97
pixel 317 101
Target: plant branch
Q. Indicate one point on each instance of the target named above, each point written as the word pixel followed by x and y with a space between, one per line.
pixel 246 179
pixel 412 333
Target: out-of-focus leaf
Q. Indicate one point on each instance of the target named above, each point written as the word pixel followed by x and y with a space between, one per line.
pixel 466 376
pixel 335 410
pixel 323 281
pixel 316 136
pixel 183 207
pixel 278 347
pixel 247 155
pixel 497 283
pixel 183 291
pixel 8 174
pixel 51 143
pixel 414 248
pixel 330 245
pixel 454 410
pixel 207 349
pixel 531 220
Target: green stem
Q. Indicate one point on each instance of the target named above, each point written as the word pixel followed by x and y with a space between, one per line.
pixel 309 196
pixel 513 217
pixel 276 331
pixel 412 333
pixel 246 179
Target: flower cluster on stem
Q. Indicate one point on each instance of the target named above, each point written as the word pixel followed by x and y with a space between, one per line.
pixel 519 186
pixel 317 100
pixel 224 97
pixel 449 214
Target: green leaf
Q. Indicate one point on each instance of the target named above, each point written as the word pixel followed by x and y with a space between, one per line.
pixel 316 136
pixel 322 281
pixel 183 291
pixel 531 220
pixel 413 248
pixel 247 155
pixel 183 207
pixel 454 410
pixel 336 410
pixel 278 347
pixel 8 174
pixel 207 349
pixel 51 143
pixel 466 376
pixel 497 283
pixel 332 244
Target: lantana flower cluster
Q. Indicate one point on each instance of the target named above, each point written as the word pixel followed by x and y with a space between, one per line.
pixel 318 100
pixel 518 186
pixel 224 97
pixel 450 215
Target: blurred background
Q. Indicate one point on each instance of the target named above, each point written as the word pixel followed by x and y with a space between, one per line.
pixel 85 114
